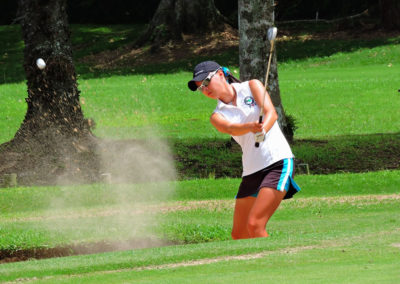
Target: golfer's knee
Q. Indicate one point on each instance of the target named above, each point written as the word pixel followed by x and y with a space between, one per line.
pixel 255 227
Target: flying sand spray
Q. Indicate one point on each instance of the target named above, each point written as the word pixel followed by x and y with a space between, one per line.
pixel 259 136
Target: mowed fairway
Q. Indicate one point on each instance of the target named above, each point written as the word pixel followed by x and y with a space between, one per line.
pixel 351 90
pixel 341 228
pixel 349 233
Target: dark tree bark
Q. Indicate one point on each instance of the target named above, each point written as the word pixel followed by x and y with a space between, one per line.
pixel 54 138
pixel 255 17
pixel 174 17
pixel 390 13
pixel 53 95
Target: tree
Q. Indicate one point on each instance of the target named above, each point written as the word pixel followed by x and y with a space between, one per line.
pixel 54 138
pixel 390 14
pixel 174 17
pixel 255 17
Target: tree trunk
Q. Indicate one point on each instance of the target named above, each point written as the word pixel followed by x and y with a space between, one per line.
pixel 53 95
pixel 255 17
pixel 390 12
pixel 174 17
pixel 54 138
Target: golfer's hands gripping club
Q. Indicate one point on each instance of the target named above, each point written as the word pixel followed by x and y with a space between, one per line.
pixel 259 136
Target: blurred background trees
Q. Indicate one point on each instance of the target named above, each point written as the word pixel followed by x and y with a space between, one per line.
pixel 175 17
pixel 386 12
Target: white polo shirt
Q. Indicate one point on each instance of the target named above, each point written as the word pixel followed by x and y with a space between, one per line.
pixel 271 150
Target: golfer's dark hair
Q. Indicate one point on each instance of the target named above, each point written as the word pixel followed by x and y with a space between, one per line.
pixel 229 76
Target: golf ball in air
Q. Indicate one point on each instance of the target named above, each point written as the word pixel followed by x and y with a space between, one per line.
pixel 40 63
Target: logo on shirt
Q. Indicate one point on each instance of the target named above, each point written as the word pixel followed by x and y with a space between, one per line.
pixel 249 101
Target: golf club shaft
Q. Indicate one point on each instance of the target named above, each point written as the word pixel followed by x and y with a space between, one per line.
pixel 266 80
pixel 260 119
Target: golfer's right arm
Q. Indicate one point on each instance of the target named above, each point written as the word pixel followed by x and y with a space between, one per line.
pixel 234 129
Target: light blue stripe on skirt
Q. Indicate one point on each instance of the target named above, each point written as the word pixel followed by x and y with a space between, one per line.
pixel 287 171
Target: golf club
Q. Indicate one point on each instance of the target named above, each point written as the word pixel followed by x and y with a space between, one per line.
pixel 271 34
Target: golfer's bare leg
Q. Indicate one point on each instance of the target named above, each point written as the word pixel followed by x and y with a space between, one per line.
pixel 267 202
pixel 240 217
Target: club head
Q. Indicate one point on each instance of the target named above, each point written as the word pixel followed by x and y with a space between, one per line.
pixel 272 33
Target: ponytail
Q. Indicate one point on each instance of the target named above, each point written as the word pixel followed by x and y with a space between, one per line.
pixel 229 77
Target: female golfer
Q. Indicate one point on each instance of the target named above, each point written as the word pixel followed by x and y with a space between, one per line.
pixel 268 169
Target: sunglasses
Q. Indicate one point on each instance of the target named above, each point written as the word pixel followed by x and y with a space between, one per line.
pixel 207 80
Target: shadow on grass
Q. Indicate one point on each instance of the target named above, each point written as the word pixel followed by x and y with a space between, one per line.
pixel 19 254
pixel 352 153
pixel 85 39
pixel 89 40
pixel 299 49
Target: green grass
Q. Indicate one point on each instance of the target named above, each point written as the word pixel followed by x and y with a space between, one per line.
pixel 11 54
pixel 338 52
pixel 342 101
pixel 92 39
pixel 348 100
pixel 341 219
pixel 53 216
pixel 12 109
pixel 347 261
pixel 348 88
pixel 131 106
pixel 26 200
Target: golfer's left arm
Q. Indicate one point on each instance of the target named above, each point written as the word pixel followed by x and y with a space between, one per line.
pixel 270 115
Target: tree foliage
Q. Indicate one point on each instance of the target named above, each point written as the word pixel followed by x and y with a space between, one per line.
pixel 137 11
